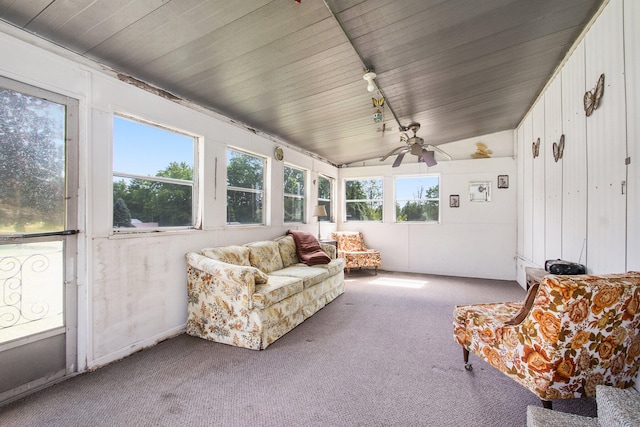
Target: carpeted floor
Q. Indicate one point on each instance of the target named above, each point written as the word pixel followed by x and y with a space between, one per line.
pixel 382 354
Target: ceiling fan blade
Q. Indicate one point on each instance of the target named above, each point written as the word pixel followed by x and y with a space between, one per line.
pixel 444 153
pixel 428 158
pixel 398 160
pixel 391 153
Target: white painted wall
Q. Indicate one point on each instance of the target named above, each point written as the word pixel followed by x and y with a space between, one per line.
pixel 478 239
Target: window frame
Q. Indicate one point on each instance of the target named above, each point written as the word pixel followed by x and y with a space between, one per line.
pixel 395 198
pixel 380 200
pixel 265 201
pixel 303 197
pixel 196 220
pixel 331 200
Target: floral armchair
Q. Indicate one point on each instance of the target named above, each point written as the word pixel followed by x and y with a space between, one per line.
pixel 570 334
pixel 351 248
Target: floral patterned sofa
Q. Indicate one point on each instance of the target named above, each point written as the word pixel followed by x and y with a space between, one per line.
pixel 570 334
pixel 251 295
pixel 351 248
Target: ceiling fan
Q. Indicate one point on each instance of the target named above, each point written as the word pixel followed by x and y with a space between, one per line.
pixel 416 146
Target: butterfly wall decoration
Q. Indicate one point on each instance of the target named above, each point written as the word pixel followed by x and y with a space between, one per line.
pixel 558 149
pixel 536 148
pixel 592 97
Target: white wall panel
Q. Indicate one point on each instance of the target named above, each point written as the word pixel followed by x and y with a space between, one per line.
pixel 520 156
pixel 606 144
pixel 527 188
pixel 632 74
pixel 538 191
pixel 553 170
pixel 574 161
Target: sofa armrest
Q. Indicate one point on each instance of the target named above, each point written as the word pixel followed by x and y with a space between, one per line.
pixel 234 283
pixel 329 249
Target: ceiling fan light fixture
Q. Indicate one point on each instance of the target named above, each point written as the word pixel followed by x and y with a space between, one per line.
pixel 369 76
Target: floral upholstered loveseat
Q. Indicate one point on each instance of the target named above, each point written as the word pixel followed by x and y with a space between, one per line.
pixel 570 334
pixel 251 295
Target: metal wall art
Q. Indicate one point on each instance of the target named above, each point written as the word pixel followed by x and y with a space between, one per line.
pixel 536 148
pixel 592 97
pixel 558 149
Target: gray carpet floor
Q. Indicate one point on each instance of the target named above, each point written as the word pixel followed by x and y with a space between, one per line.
pixel 382 354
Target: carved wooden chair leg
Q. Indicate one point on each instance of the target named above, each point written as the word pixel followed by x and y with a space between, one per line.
pixel 546 404
pixel 465 354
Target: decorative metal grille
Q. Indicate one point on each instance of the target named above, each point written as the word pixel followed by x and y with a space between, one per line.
pixel 13 309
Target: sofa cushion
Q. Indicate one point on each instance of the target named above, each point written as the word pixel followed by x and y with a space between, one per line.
pixel 287 248
pixel 333 267
pixel 276 289
pixel 265 256
pixel 618 407
pixel 310 275
pixel 238 255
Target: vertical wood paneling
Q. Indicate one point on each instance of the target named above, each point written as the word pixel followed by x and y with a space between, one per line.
pixel 519 149
pixel 574 161
pixel 527 188
pixel 553 170
pixel 632 65
pixel 538 219
pixel 606 144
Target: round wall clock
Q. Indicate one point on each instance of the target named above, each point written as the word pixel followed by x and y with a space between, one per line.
pixel 278 154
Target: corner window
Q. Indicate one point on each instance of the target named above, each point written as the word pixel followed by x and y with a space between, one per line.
pixel 418 198
pixel 363 199
pixel 294 194
pixel 325 195
pixel 153 176
pixel 245 188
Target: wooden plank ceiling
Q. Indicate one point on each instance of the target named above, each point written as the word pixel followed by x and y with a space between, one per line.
pixel 461 68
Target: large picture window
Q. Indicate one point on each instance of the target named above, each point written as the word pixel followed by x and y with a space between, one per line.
pixel 418 198
pixel 363 198
pixel 325 195
pixel 245 188
pixel 153 176
pixel 294 194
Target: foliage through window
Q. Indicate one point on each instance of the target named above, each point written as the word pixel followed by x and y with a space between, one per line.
pixel 245 188
pixel 32 163
pixel 418 198
pixel 294 194
pixel 153 176
pixel 363 199
pixel 325 195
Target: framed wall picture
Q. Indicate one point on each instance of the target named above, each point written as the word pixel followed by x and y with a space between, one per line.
pixel 454 201
pixel 480 191
pixel 503 181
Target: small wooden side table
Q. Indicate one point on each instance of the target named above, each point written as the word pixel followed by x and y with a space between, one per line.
pixel 534 275
pixel 330 242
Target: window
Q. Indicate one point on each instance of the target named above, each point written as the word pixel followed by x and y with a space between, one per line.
pixel 153 176
pixel 245 188
pixel 325 193
pixel 418 198
pixel 363 199
pixel 294 192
